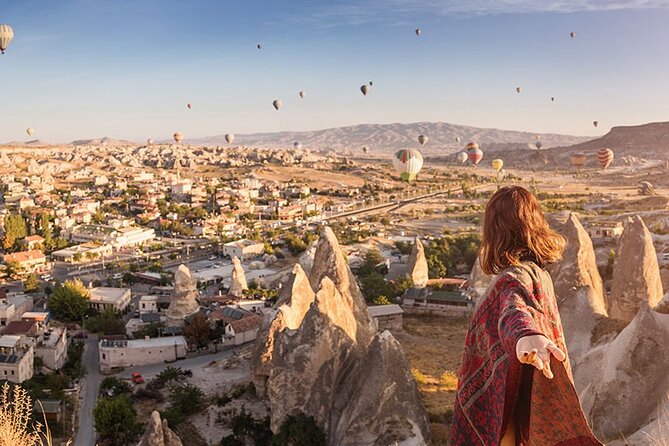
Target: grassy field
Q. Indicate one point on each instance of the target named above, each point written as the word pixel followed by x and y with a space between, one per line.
pixel 433 345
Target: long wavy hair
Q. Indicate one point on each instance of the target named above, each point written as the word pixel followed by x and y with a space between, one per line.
pixel 515 230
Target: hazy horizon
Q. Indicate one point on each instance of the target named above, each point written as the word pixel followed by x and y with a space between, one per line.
pixel 126 69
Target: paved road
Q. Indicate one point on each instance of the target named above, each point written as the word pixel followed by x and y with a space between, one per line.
pixel 149 371
pixel 86 431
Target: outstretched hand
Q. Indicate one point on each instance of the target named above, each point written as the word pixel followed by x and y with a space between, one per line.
pixel 536 350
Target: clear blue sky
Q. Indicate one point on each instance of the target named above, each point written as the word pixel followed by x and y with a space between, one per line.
pixel 127 68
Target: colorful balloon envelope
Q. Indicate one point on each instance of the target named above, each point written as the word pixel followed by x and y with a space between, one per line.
pixel 301 93
pixel 497 164
pixel 462 157
pixel 30 131
pixel 605 157
pixel 418 31
pixel 365 149
pixel 595 123
pixel 474 153
pixel 364 89
pixel 422 140
pixel 572 34
pixel 407 163
pixel 578 159
pixel 229 138
pixel 189 106
pixel 6 36
pixel 178 137
pixel 276 103
pixel 518 89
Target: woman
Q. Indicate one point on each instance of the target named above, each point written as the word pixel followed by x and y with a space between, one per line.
pixel 515 385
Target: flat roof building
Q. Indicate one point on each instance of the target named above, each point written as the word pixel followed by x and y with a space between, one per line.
pixel 102 298
pixel 137 352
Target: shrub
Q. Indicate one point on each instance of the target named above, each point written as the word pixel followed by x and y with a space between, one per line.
pixel 116 420
pixel 299 430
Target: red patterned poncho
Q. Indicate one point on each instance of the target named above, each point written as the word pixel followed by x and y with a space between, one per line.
pixel 493 383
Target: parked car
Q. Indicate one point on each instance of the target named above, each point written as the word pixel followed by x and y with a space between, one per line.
pixel 213 258
pixel 137 378
pixel 117 276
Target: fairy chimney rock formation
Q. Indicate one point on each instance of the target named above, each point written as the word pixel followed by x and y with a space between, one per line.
pixel 318 353
pixel 418 270
pixel 636 274
pixel 238 280
pixel 578 288
pixel 479 282
pixel 158 433
pixel 184 297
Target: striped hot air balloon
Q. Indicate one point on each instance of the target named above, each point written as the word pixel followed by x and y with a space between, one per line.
pixel 178 137
pixel 474 153
pixel 578 159
pixel 497 164
pixel 407 163
pixel 605 157
pixel 462 157
pixel 6 36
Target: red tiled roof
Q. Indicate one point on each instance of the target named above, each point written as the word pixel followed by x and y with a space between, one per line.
pixel 248 323
pixel 24 256
pixel 18 327
pixel 34 238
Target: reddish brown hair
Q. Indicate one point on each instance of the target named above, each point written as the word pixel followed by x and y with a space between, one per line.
pixel 515 229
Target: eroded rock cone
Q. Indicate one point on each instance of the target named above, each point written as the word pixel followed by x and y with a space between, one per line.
pixel 184 297
pixel 318 353
pixel 578 288
pixel 479 282
pixel 418 269
pixel 238 281
pixel 628 378
pixel 636 274
pixel 158 433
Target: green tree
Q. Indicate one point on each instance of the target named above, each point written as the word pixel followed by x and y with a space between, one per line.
pixel 109 322
pixel 198 331
pixel 116 420
pixel 13 269
pixel 299 430
pixel 32 283
pixel 115 386
pixel 44 229
pixel 69 301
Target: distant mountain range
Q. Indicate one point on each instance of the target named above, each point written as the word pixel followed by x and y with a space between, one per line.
pixel 385 138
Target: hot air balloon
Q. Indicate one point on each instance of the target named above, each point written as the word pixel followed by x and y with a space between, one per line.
pixel 474 153
pixel 407 163
pixel 276 104
pixel 229 138
pixel 538 145
pixel 595 123
pixel 259 46
pixel 552 99
pixel 6 36
pixel 518 89
pixel 30 131
pixel 458 139
pixel 422 140
pixel 364 89
pixel 418 31
pixel 578 159
pixel 297 145
pixel 301 93
pixel 149 142
pixel 178 137
pixel 371 83
pixel 365 149
pixel 189 106
pixel 605 157
pixel 497 164
pixel 573 34
pixel 462 157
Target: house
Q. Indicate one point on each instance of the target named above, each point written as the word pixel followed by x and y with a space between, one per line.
pixel 240 325
pixel 29 261
pixel 16 359
pixel 84 251
pixel 605 230
pixel 387 317
pixel 427 300
pixel 51 347
pixel 12 307
pixel 34 242
pixel 148 304
pixel 243 249
pixel 108 235
pixel 49 410
pixel 137 352
pixel 102 298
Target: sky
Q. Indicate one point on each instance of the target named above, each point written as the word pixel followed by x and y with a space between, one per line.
pixel 127 68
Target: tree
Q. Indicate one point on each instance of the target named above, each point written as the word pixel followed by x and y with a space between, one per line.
pixel 115 386
pixel 32 283
pixel 69 301
pixel 116 420
pixel 299 430
pixel 109 322
pixel 198 330
pixel 44 229
pixel 15 230
pixel 13 269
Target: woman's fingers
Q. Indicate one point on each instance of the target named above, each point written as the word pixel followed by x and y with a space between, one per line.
pixel 548 373
pixel 532 356
pixel 559 354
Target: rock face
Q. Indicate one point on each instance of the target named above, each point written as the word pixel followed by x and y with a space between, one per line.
pixel 238 281
pixel 184 297
pixel 319 353
pixel 625 382
pixel 418 270
pixel 479 282
pixel 636 275
pixel 307 258
pixel 578 288
pixel 158 433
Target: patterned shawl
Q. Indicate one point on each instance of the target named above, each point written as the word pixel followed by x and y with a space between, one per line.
pixel 493 384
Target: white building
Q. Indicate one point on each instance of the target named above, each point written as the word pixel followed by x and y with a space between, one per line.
pixel 108 235
pixel 16 359
pixel 102 298
pixel 243 249
pixel 139 352
pixel 386 317
pixel 12 307
pixel 148 304
pixel 51 347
